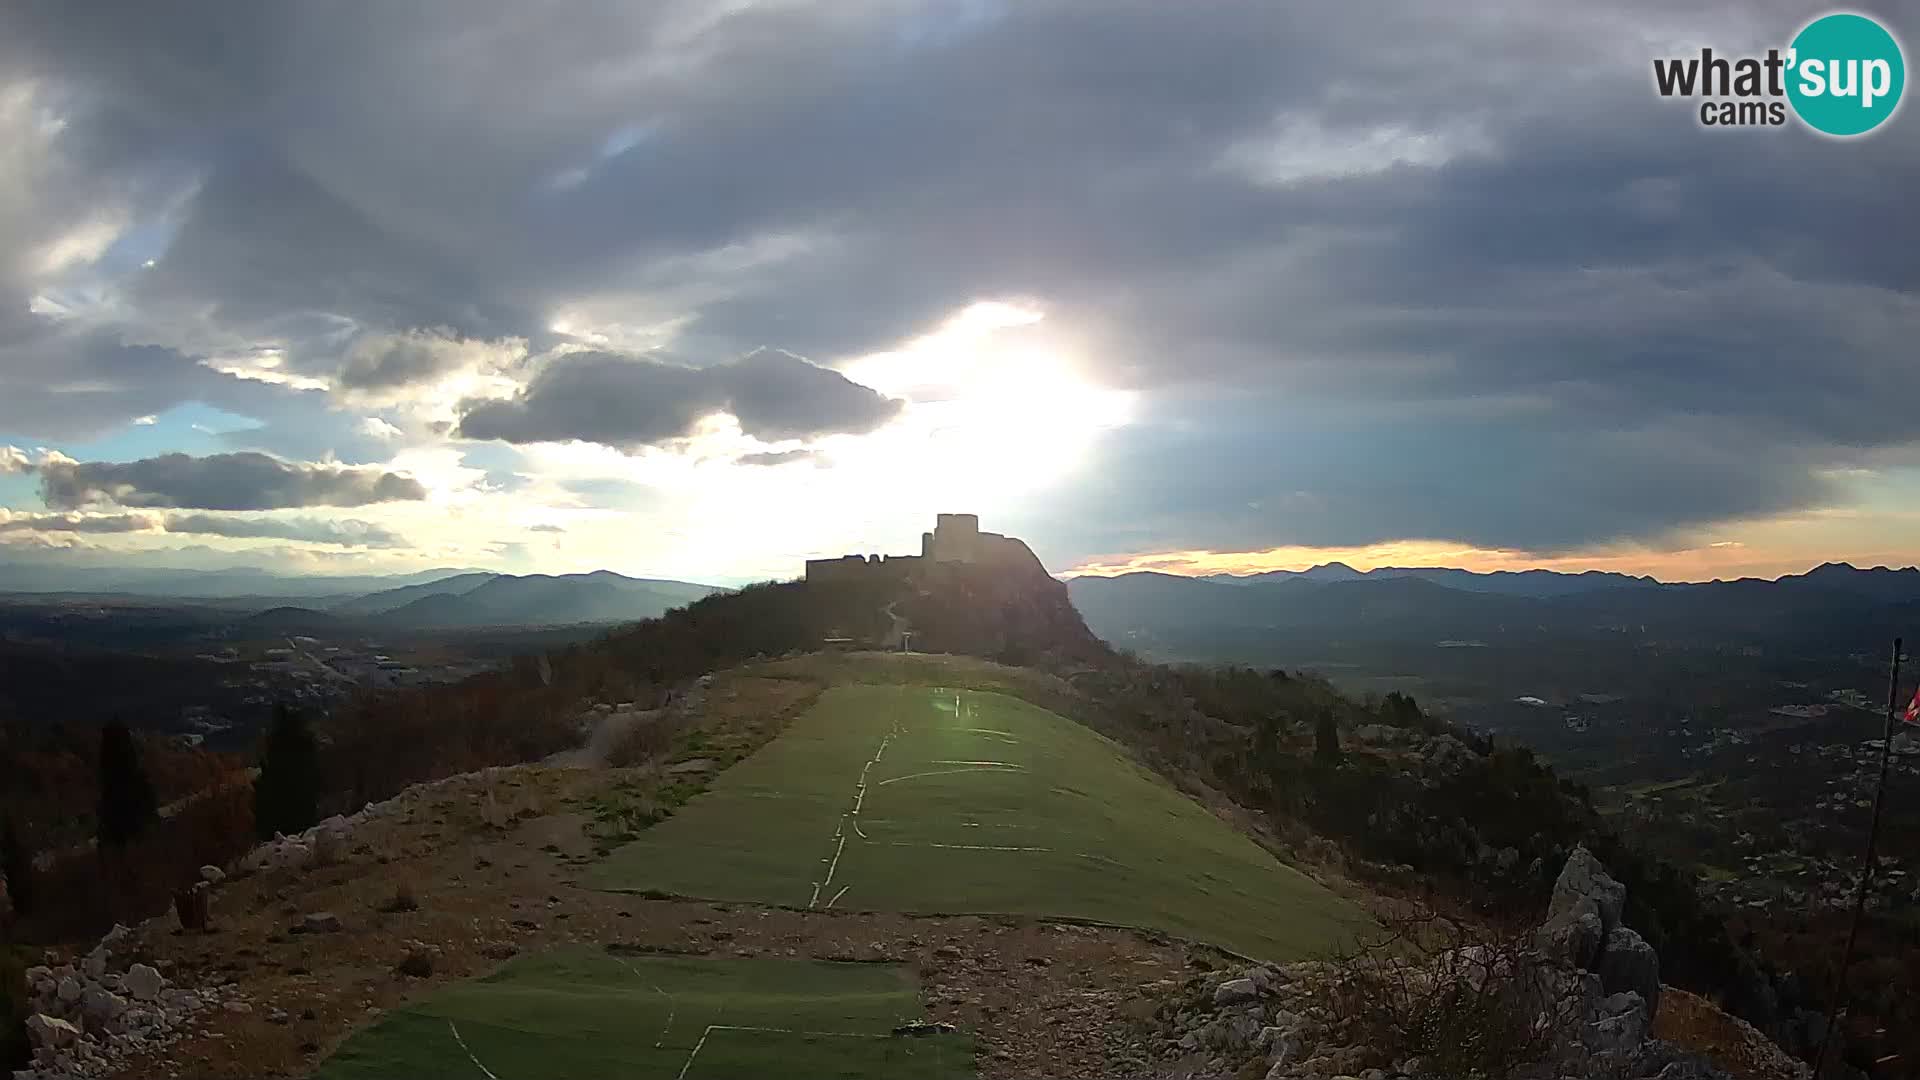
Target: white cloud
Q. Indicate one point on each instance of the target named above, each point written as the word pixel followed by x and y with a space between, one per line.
pixel 267 365
pixel 80 245
pixel 1301 148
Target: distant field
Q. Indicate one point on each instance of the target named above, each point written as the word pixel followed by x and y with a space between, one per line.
pixel 927 799
pixel 578 1014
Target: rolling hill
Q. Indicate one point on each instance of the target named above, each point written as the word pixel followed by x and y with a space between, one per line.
pixel 379 603
pixel 474 600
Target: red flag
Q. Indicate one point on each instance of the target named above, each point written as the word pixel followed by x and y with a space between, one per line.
pixel 1912 715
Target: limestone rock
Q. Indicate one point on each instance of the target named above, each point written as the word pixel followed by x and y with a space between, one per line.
pixel 1378 734
pixel 331 840
pixel 100 1005
pixel 1584 878
pixel 51 1031
pixel 320 922
pixel 1574 936
pixel 1235 992
pixel 143 982
pixel 1628 963
pixel 1623 1025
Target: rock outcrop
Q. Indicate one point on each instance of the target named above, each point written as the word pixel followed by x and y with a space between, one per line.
pixel 87 1016
pixel 1585 980
pixel 1584 929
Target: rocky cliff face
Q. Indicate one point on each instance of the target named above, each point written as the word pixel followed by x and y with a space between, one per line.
pixel 1006 608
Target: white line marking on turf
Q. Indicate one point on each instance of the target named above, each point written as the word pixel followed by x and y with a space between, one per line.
pixel 795 1031
pixel 1006 764
pixel 837 896
pixel 668 1030
pixel 964 847
pixel 835 865
pixel 711 1028
pixel 665 1031
pixel 995 767
pixel 469 1053
pixel 840 829
pixel 695 1053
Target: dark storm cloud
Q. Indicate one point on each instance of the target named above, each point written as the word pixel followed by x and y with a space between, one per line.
pixel 239 481
pixel 631 402
pixel 1382 271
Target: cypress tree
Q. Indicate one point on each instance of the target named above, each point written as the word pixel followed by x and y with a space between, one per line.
pixel 127 802
pixel 286 795
pixel 1326 739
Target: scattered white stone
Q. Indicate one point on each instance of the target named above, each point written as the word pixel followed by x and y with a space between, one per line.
pixel 320 922
pixel 51 1031
pixel 143 982
pixel 100 1005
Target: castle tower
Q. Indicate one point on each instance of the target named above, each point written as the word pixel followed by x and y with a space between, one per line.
pixel 956 538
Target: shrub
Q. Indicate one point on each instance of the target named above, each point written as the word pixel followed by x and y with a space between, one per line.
pixel 404 899
pixel 16 867
pixel 15 1050
pixel 1469 1003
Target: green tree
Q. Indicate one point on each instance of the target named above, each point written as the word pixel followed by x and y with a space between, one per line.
pixel 1401 710
pixel 1326 739
pixel 127 802
pixel 286 795
pixel 16 865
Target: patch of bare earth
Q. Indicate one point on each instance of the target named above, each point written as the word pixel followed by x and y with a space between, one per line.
pixel 1694 1023
pixel 477 869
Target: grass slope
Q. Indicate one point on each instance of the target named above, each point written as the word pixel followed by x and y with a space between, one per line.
pixel 577 1013
pixel 924 799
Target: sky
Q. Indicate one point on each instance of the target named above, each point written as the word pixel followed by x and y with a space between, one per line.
pixel 702 289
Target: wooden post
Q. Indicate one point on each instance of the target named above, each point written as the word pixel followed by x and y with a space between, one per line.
pixel 1866 869
pixel 193 905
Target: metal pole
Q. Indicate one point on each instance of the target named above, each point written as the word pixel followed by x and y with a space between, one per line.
pixel 1866 868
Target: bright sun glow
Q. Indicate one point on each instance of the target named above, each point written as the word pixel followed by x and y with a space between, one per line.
pixel 998 404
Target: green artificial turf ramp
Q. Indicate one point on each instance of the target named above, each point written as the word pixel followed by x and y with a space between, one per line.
pixel 577 1014
pixel 926 799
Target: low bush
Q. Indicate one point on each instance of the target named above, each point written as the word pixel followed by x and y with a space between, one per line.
pixel 1466 1003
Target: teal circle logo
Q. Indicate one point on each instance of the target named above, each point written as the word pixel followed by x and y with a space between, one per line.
pixel 1846 74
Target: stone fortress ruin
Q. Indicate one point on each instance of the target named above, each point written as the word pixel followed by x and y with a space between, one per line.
pixel 955 539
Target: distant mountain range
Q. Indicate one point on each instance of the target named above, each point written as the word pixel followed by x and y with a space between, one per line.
pixel 246 581
pixel 430 600
pixel 482 599
pixel 1504 582
pixel 1196 617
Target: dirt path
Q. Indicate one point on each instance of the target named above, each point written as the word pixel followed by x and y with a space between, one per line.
pixel 607 731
